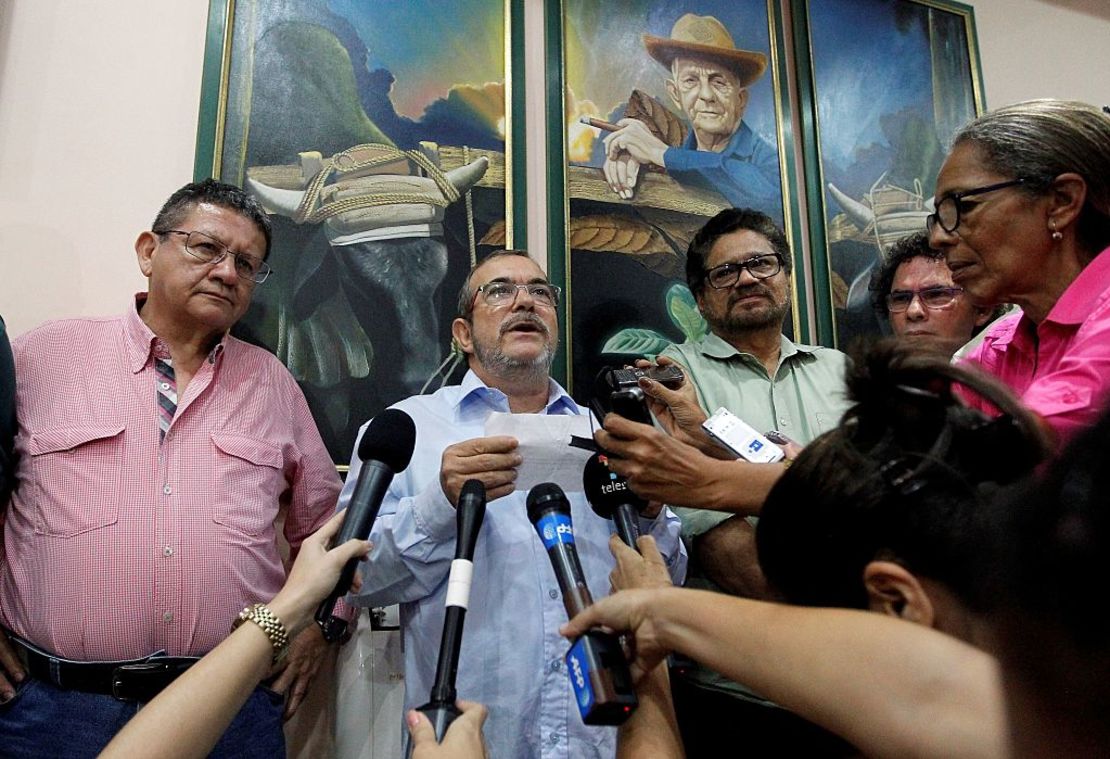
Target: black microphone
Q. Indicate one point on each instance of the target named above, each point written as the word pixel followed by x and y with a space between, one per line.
pixel 611 498
pixel 470 512
pixel 596 665
pixel 385 449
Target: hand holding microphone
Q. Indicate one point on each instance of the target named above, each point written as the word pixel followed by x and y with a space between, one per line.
pixel 595 662
pixel 385 449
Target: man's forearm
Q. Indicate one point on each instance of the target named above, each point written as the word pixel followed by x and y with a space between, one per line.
pixel 892 688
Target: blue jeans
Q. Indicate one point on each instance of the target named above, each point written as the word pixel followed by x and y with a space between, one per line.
pixel 45 722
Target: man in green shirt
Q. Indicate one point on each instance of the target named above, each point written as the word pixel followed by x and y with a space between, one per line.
pixel 738 268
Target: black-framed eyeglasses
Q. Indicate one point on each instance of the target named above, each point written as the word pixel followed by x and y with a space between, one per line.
pixel 760 267
pixel 951 207
pixel 207 249
pixel 933 298
pixel 496 294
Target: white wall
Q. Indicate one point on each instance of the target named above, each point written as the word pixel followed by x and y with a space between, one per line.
pixel 98 115
pixel 1044 48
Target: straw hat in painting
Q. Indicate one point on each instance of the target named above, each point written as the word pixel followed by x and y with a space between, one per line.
pixel 705 37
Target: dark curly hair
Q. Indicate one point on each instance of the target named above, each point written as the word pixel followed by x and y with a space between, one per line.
pixel 728 221
pixel 903 478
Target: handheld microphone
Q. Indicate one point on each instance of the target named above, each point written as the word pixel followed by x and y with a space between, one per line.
pixel 385 449
pixel 611 498
pixel 595 662
pixel 470 512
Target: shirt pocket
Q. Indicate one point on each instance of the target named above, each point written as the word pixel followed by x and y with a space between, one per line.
pixel 75 480
pixel 826 420
pixel 247 482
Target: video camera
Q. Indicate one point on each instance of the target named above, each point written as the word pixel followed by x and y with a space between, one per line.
pixel 619 390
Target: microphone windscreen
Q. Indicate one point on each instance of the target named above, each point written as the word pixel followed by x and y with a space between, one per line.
pixel 546 496
pixel 605 489
pixel 473 490
pixel 389 438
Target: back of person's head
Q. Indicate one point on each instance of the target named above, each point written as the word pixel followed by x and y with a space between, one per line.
pixel 183 201
pixel 901 480
pixel 726 222
pixel 1038 140
pixel 1051 620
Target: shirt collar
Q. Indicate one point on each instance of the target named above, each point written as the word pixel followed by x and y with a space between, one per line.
pixel 143 344
pixel 473 390
pixel 1079 299
pixel 714 346
pixel 742 142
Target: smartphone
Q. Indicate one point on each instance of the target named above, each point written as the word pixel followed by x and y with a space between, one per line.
pixel 737 436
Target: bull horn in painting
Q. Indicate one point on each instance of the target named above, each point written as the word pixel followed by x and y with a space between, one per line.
pixel 858 212
pixel 465 177
pixel 275 199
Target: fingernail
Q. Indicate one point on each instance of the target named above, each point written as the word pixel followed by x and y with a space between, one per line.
pixel 18 675
pixel 6 696
pixel 411 719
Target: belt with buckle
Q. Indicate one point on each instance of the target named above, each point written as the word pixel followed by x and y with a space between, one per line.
pixel 134 680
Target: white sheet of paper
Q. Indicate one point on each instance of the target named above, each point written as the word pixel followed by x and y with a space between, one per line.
pixel 545 447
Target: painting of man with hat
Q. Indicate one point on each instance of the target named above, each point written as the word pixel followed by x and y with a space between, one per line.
pixel 708 83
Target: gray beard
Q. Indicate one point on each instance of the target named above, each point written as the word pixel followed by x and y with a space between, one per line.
pixel 731 324
pixel 498 364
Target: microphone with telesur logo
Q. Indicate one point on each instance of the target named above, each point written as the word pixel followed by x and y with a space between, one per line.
pixel 611 498
pixel 595 662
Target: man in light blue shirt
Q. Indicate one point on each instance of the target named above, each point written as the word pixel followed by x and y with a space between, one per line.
pixel 512 655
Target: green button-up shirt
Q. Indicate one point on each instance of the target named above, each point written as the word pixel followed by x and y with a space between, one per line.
pixel 805 398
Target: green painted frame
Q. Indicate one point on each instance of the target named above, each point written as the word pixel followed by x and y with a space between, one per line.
pixel 558 206
pixel 213 120
pixel 213 104
pixel 824 310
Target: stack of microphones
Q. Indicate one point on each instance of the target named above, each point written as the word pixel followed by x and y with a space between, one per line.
pixel 595 662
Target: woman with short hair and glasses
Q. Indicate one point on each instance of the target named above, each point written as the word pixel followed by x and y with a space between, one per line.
pixel 1023 216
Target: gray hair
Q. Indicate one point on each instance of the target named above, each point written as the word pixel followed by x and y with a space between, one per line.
pixel 1038 140
pixel 466 292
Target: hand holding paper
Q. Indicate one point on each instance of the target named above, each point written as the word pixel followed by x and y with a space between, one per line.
pixel 543 443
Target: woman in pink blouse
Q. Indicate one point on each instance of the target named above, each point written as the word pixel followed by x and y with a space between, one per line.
pixel 1023 216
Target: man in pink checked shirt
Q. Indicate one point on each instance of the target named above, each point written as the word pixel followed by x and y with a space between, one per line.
pixel 154 452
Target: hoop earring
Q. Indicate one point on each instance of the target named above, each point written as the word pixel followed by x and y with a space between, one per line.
pixel 1057 235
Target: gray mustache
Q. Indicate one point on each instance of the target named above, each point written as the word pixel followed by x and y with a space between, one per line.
pixel 522 319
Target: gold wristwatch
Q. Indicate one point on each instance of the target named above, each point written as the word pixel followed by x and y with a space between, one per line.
pixel 261 615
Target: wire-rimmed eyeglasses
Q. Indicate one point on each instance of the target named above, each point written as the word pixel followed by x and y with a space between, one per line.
pixel 207 249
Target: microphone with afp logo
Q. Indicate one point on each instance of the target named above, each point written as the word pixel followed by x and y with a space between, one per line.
pixel 595 662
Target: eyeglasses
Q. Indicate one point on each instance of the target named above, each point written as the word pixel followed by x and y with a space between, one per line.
pixel 209 250
pixel 933 298
pixel 497 294
pixel 951 206
pixel 760 267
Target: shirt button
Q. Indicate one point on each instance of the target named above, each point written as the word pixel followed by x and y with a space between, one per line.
pixel 164 385
pixel 554 738
pixel 784 423
pixel 167 617
pixel 167 552
pixel 167 489
pixel 554 665
pixel 553 593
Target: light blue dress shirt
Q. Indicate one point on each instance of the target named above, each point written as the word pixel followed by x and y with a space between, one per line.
pixel 512 654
